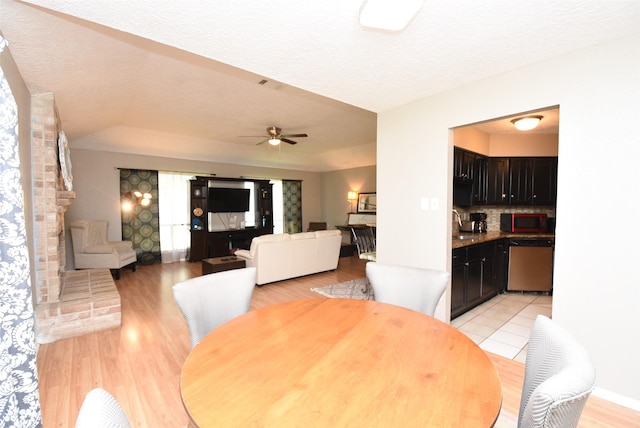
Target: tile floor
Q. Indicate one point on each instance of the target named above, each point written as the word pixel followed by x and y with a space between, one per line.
pixel 502 324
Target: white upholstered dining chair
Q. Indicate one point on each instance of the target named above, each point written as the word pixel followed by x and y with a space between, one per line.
pixel 101 410
pixel 209 300
pixel 413 288
pixel 558 379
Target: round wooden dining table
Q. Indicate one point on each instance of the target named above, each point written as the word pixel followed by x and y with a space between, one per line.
pixel 339 363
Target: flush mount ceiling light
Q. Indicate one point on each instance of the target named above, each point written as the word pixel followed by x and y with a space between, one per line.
pixel 526 123
pixel 391 15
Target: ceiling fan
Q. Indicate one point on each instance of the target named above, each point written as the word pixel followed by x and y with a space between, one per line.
pixel 275 136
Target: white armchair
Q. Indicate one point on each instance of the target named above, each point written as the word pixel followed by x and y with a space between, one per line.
pixel 91 249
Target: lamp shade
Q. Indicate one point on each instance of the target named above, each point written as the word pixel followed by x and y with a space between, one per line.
pixel 274 141
pixel 352 196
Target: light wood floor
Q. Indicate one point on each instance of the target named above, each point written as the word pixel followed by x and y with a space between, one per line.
pixel 140 362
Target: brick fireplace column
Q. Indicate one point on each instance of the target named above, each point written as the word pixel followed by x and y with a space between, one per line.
pixel 66 303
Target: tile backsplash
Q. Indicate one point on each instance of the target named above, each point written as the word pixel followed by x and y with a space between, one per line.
pixel 493 213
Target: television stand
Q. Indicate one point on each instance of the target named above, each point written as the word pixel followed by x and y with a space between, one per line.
pixel 222 243
pixel 205 244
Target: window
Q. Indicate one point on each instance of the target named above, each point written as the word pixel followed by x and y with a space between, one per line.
pixel 174 217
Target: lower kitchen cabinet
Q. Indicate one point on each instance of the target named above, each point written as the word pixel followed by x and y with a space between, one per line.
pixel 458 281
pixel 501 265
pixel 474 278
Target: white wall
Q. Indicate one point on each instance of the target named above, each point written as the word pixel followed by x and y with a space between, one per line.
pixel 336 185
pixel 96 181
pixel 523 145
pixel 597 286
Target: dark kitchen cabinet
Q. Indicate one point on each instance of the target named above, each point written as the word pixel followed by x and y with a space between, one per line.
pixel 472 277
pixel 480 175
pixel 522 181
pixel 519 181
pixel 463 163
pixel 533 181
pixel 500 264
pixel 469 177
pixel 458 280
pixel 483 180
pixel 479 273
pixel 498 181
pixel 544 181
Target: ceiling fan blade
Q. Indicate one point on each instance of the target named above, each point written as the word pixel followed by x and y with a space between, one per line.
pixel 286 140
pixel 294 135
pixel 262 142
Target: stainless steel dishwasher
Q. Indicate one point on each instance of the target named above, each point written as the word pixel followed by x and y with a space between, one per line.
pixel 530 265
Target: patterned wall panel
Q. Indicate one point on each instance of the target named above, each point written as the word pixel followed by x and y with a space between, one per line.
pixel 292 204
pixel 141 224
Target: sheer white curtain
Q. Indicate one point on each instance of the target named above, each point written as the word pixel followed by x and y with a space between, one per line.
pixel 278 207
pixel 173 201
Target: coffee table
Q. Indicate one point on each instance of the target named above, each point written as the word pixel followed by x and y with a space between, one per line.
pixel 221 264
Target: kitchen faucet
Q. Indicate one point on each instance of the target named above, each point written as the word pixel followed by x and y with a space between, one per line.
pixel 458 217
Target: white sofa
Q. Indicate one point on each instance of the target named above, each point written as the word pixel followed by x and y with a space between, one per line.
pixel 283 256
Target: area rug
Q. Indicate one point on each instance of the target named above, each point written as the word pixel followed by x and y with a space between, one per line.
pixel 346 290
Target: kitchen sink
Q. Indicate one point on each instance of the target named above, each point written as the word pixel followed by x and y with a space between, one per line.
pixel 464 237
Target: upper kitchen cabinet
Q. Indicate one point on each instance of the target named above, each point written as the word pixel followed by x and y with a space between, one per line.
pixel 515 168
pixel 469 177
pixel 463 164
pixel 533 181
pixel 544 181
pixel 522 181
pixel 498 181
pixel 520 178
pixel 480 175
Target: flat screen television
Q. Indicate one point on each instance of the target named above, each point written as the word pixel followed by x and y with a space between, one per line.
pixel 227 200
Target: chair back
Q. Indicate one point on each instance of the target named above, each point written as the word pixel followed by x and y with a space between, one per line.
pixel 364 239
pixel 410 287
pixel 210 300
pixel 559 377
pixel 87 233
pixel 101 410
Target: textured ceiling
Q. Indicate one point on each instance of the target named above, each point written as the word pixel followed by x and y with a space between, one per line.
pixel 180 79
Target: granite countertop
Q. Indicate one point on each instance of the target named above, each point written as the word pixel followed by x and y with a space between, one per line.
pixel 479 238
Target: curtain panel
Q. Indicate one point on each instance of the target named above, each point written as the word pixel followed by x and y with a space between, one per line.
pixel 175 233
pixel 292 204
pixel 19 396
pixel 141 224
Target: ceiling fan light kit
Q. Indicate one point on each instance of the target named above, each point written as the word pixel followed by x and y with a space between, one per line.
pixel 526 123
pixel 275 137
pixel 390 15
